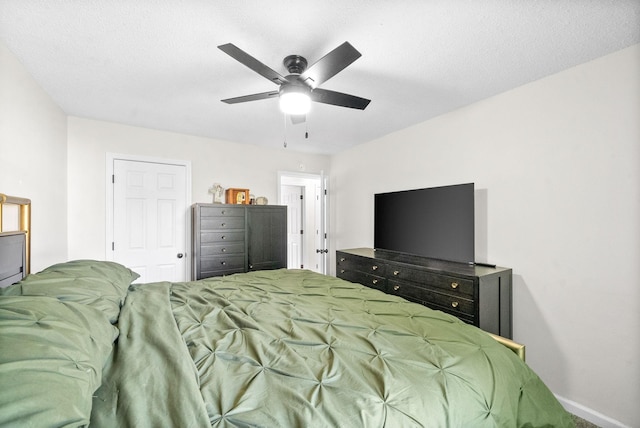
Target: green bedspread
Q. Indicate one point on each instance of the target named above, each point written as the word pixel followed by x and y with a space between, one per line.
pixel 291 348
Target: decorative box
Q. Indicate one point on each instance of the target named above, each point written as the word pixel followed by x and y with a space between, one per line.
pixel 237 196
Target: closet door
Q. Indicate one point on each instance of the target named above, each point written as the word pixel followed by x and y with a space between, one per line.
pixel 266 237
pixel 149 219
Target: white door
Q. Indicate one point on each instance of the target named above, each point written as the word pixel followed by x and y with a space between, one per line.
pixel 322 222
pixel 149 219
pixel 318 237
pixel 292 197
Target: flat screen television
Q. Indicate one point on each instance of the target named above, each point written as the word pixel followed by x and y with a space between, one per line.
pixel 436 222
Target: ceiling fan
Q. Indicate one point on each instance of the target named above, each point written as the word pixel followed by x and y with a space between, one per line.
pixel 300 86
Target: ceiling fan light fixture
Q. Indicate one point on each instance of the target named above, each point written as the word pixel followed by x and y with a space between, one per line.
pixel 295 100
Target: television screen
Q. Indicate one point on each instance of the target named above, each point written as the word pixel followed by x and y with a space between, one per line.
pixel 435 222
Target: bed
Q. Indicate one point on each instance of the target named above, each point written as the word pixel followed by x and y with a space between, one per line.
pixel 83 345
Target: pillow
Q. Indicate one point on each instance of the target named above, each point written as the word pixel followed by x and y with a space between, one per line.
pixel 100 284
pixel 51 360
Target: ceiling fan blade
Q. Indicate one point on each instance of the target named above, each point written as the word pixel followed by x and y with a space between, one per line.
pixel 253 97
pixel 255 65
pixel 339 99
pixel 298 118
pixel 330 65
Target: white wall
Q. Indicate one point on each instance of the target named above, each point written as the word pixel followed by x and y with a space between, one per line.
pixel 212 161
pixel 33 158
pixel 558 164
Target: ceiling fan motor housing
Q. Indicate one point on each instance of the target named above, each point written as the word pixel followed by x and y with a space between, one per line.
pixel 294 85
pixel 296 64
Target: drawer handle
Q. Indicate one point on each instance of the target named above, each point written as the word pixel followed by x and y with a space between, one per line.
pixel 223 263
pixel 342 259
pixel 454 304
pixel 223 212
pixel 223 237
pixel 396 287
pixel 454 285
pixel 224 250
pixel 374 267
pixel 222 224
pixel 396 272
pixel 341 270
pixel 375 281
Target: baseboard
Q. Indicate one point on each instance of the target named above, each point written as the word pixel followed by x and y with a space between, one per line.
pixel 589 414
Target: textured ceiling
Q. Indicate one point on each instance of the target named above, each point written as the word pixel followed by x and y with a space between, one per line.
pixel 156 64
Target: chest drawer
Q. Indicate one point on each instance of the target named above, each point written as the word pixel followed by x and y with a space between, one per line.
pixel 221 223
pixel 218 263
pixel 221 249
pixel 431 297
pixel 221 211
pixel 221 236
pixel 444 283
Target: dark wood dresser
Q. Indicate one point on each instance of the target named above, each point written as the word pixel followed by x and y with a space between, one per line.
pixel 231 239
pixel 477 295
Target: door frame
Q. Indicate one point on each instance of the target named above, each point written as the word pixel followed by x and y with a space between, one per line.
pixel 322 179
pixel 110 158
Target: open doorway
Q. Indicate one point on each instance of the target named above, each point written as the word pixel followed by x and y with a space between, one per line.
pixel 305 196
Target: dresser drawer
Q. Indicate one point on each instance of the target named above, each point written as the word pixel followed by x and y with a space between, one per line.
pixel 222 248
pixel 367 279
pixel 214 263
pixel 361 264
pixel 221 211
pixel 447 284
pixel 221 272
pixel 221 223
pixel 450 303
pixel 221 236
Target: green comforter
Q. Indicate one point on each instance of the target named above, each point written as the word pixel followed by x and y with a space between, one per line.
pixel 291 348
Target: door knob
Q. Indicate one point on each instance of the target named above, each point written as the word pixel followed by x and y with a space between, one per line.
pixel 180 255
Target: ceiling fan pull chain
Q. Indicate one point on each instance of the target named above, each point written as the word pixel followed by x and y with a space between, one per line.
pixel 285 130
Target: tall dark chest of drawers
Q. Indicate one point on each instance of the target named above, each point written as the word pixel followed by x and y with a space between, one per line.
pixel 231 239
pixel 477 295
